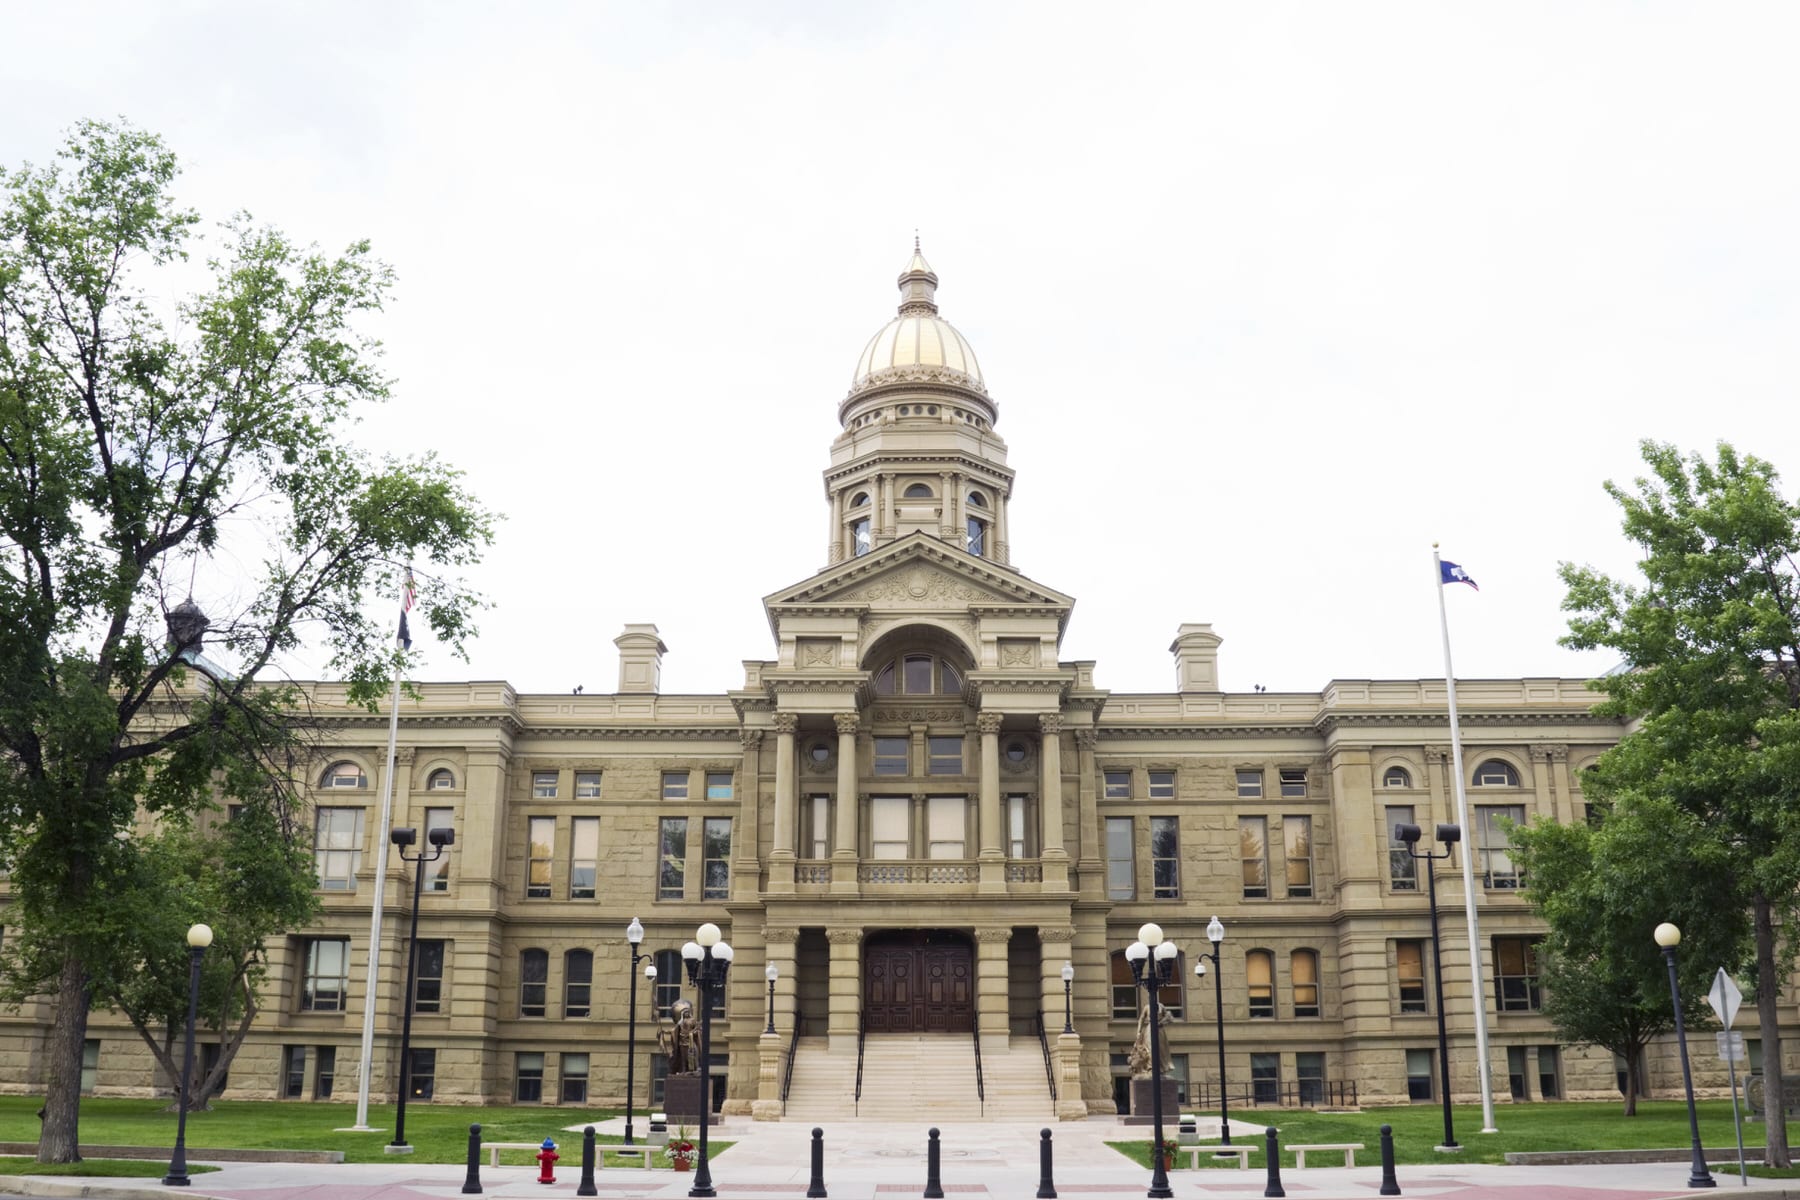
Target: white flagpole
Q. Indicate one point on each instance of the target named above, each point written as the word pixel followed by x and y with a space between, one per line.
pixel 1468 861
pixel 387 811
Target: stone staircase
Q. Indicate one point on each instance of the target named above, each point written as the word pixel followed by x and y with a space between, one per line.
pixel 920 1077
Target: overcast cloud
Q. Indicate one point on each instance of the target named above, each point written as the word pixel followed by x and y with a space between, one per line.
pixel 1271 297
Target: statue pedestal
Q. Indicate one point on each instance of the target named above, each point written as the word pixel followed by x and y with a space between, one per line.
pixel 682 1097
pixel 1143 1095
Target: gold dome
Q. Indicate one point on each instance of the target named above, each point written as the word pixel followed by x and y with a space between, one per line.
pixel 918 346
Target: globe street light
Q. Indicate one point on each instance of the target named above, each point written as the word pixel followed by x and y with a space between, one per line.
pixel 771 973
pixel 634 934
pixel 1068 977
pixel 1215 933
pixel 1447 836
pixel 199 937
pixel 708 962
pixel 1669 937
pixel 403 837
pixel 1153 967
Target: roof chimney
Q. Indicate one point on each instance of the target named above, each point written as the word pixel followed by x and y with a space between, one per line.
pixel 1196 651
pixel 640 660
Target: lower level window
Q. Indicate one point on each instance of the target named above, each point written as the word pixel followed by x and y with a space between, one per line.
pixel 423 1077
pixel 574 1078
pixel 293 1086
pixel 326 1077
pixel 90 1065
pixel 1549 1077
pixel 1418 1074
pixel 1265 1078
pixel 530 1073
pixel 1309 1077
pixel 325 985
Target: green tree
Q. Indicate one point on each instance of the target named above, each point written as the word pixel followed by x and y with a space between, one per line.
pixel 1712 683
pixel 1602 891
pixel 146 447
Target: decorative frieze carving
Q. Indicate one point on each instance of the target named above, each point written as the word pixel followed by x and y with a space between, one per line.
pixel 887 715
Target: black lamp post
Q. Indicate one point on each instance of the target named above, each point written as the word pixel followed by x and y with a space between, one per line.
pixel 199 937
pixel 634 934
pixel 1669 937
pixel 771 973
pixel 402 838
pixel 1215 933
pixel 1153 967
pixel 1068 977
pixel 1447 836
pixel 708 961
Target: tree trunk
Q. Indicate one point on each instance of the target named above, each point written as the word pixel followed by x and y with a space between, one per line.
pixel 1768 1018
pixel 60 1139
pixel 1632 1085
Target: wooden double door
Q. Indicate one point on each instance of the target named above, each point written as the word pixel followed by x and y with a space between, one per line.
pixel 918 981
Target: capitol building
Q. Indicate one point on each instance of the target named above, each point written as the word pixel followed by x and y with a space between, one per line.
pixel 917 812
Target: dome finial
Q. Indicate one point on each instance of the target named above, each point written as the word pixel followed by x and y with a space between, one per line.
pixel 918 283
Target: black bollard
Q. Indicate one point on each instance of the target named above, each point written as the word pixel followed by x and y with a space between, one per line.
pixel 815 1188
pixel 934 1186
pixel 1046 1185
pixel 1273 1149
pixel 587 1187
pixel 1390 1185
pixel 472 1181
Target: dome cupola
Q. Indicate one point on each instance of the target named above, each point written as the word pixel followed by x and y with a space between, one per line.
pixel 917 347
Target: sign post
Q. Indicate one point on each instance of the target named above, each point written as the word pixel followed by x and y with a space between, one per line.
pixel 1725 997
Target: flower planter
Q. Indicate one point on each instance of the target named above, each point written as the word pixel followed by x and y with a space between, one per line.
pixel 681 1164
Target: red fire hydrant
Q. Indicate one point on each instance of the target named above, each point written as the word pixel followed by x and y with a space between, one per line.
pixel 547 1158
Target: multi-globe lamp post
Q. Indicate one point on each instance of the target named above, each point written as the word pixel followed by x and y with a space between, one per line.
pixel 634 934
pixel 1668 937
pixel 1152 968
pixel 708 961
pixel 199 937
pixel 1447 836
pixel 1215 933
pixel 402 838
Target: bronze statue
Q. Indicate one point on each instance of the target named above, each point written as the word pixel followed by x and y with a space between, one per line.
pixel 681 1041
pixel 1139 1061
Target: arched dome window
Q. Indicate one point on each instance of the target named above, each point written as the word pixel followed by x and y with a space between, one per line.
pixel 917 491
pixel 917 675
pixel 859 500
pixel 1495 773
pixel 1397 777
pixel 441 780
pixel 978 500
pixel 343 775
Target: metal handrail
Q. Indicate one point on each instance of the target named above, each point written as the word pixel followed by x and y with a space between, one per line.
pixel 862 1029
pixel 980 1090
pixel 787 1074
pixel 1044 1045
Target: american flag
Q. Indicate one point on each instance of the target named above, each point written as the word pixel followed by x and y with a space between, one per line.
pixel 407 592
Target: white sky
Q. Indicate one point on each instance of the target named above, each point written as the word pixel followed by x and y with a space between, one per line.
pixel 1271 296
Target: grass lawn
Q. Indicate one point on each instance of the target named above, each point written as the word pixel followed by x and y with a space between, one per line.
pixel 112 1168
pixel 439 1133
pixel 1418 1128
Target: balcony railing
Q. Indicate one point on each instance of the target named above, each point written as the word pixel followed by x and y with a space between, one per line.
pixel 918 871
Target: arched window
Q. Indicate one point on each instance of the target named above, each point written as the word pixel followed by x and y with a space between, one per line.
pixel 534 981
pixel 952 678
pixel 858 500
pixel 1398 777
pixel 1303 978
pixel 917 491
pixel 917 675
pixel 1125 989
pixel 343 775
pixel 978 500
pixel 1495 773
pixel 671 977
pixel 1259 977
pixel 441 780
pixel 578 982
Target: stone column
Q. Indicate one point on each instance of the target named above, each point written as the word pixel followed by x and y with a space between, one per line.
pixel 1565 792
pixel 1540 785
pixel 990 985
pixel 946 507
pixel 1058 948
pixel 1090 867
pixel 772 1047
pixel 845 996
pixel 745 865
pixel 781 851
pixel 992 837
pixel 845 839
pixel 1002 551
pixel 1055 858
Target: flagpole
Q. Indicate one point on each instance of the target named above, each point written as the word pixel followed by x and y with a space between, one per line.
pixel 1468 860
pixel 387 812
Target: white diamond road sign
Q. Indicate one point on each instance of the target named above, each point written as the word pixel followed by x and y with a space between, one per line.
pixel 1725 998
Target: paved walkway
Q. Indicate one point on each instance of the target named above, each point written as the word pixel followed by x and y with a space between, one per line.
pixel 887 1162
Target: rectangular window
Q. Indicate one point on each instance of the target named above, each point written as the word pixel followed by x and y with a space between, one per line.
pixel 888 817
pixel 529 1068
pixel 675 785
pixel 428 984
pixel 437 871
pixel 578 983
pixel 90 1065
pixel 543 785
pixel 293 1073
pixel 718 785
pixel 1418 1074
pixel 1253 850
pixel 327 1076
pixel 1162 785
pixel 574 1078
pixel 1293 781
pixel 1498 871
pixel 587 785
pixel 1265 1078
pixel 715 859
pixel 1178 1071
pixel 584 857
pixel 945 826
pixel 1549 1077
pixel 337 847
pixel 671 855
pixel 946 755
pixel 1121 875
pixel 1403 869
pixel 669 981
pixel 818 834
pixel 1015 827
pixel 1118 785
pixel 1516 974
pixel 1296 839
pixel 1309 1075
pixel 540 837
pixel 1409 975
pixel 1249 785
pixel 1124 989
pixel 1516 1070
pixel 1165 858
pixel 890 755
pixel 325 984
pixel 422 1079
pixel 534 982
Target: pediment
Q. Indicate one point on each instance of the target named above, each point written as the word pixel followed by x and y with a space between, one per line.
pixel 920 574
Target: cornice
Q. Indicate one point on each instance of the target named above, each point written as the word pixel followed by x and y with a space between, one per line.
pixel 856 470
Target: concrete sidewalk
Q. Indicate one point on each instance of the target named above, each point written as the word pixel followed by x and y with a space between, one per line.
pixel 888 1162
